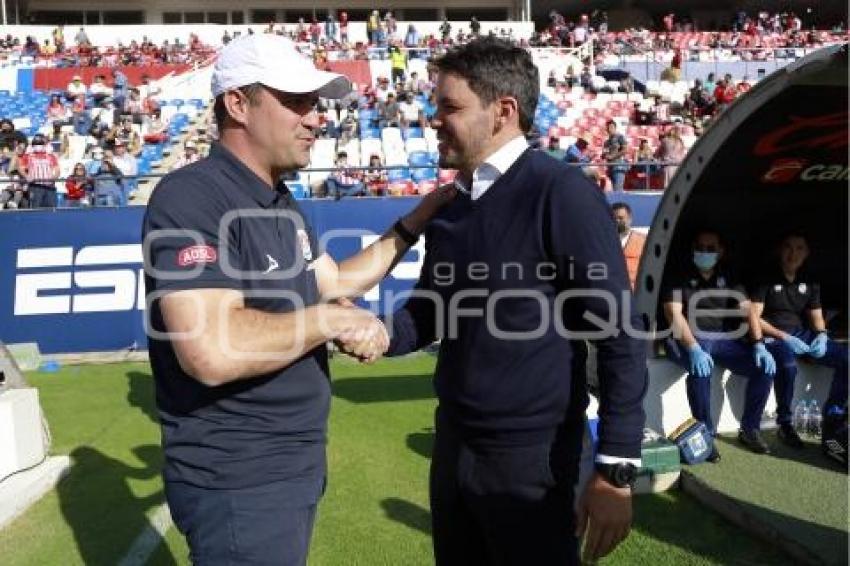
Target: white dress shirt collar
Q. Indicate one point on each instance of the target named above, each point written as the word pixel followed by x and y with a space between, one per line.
pixel 493 167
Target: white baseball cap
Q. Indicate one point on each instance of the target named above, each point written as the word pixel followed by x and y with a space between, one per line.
pixel 273 61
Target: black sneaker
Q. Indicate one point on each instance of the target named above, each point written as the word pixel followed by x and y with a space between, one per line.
pixel 714 457
pixel 789 436
pixel 752 439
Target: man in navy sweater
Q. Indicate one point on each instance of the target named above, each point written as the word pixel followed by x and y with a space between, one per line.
pixel 524 256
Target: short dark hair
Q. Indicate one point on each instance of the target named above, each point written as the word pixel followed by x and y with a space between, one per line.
pixel 493 68
pixel 251 92
pixel 621 206
pixel 581 143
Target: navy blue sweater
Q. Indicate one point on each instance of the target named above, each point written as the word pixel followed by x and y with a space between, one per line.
pixel 520 259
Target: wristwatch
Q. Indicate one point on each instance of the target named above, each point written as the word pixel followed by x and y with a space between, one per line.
pixel 621 474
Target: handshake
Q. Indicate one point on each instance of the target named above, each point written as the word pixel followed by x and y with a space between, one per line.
pixel 358 332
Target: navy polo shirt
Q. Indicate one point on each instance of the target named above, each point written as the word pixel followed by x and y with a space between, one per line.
pixel 785 301
pixel 685 292
pixel 215 224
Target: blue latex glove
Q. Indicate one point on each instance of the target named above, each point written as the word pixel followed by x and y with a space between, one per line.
pixel 764 360
pixel 701 363
pixel 797 346
pixel 817 349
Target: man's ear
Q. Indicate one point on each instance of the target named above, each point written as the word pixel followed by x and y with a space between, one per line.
pixel 507 111
pixel 236 104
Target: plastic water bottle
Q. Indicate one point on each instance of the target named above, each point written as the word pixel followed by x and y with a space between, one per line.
pixel 814 424
pixel 801 417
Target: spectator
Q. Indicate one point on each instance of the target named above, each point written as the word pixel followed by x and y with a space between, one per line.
pixel 475 27
pixel 41 169
pixel 345 181
pixel 410 112
pixel 106 179
pixel 376 176
pixel 373 26
pixel 120 86
pixel 710 83
pixel 391 25
pixel 633 242
pixel 343 27
pixel 9 136
pixel 135 106
pixel 725 93
pixel 78 187
pixel 398 64
pixel 75 87
pixel 577 152
pixel 157 129
pixel 82 38
pixel 445 30
pixel 17 162
pixel 348 127
pixel 671 151
pixel 125 134
pixel 57 112
pixel 553 148
pixel 644 162
pixel 699 100
pixel 99 90
pixel 388 112
pixel 225 39
pixel 14 193
pixel 384 89
pixel 411 38
pixel 429 107
pixel 129 166
pixel 190 155
pixel 615 156
pixel 330 28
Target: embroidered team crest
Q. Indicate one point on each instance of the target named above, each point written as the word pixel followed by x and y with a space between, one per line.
pixel 802 288
pixel 721 282
pixel 777 288
pixel 304 241
pixel 693 282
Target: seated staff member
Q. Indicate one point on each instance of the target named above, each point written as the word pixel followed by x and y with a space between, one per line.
pixel 709 337
pixel 782 300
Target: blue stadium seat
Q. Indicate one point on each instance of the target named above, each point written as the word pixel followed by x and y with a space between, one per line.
pixel 423 174
pixel 411 133
pixel 419 158
pixel 398 174
pixel 298 190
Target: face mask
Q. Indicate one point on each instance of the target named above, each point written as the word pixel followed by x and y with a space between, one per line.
pixel 705 260
pixel 622 227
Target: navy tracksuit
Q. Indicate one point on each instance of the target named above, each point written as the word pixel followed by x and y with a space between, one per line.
pixel 736 355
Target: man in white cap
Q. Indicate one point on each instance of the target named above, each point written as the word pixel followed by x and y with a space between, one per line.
pixel 238 295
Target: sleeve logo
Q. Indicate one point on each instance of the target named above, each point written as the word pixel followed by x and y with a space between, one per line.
pixel 196 254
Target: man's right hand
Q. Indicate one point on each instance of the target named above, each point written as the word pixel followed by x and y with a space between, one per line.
pixel 701 363
pixel 358 332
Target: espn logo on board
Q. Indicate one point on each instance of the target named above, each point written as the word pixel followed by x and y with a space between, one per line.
pixel 56 280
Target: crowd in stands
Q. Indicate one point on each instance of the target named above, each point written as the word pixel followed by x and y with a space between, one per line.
pixel 745 32
pixel 94 142
pixel 632 140
pixel 81 52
